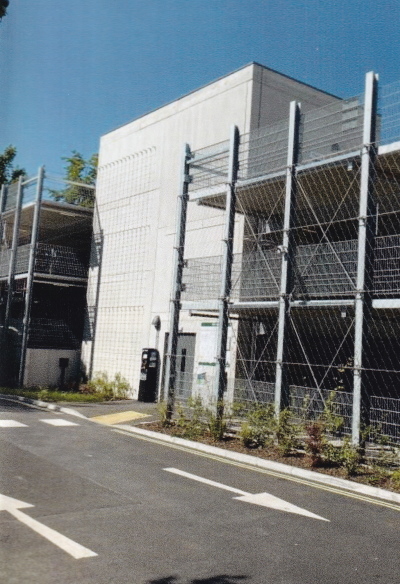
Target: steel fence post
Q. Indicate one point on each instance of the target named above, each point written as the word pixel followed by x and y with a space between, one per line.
pixel 13 255
pixel 227 259
pixel 287 251
pixel 179 249
pixel 30 275
pixel 366 234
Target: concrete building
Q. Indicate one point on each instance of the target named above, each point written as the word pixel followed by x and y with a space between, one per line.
pixel 137 186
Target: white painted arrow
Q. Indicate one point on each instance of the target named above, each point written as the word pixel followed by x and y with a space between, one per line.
pixel 72 548
pixel 263 499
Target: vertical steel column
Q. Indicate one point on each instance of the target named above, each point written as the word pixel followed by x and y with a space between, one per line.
pixel 30 274
pixel 2 202
pixel 13 256
pixel 281 389
pixel 223 302
pixel 179 249
pixel 366 232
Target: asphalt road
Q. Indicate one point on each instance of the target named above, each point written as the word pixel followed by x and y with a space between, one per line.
pixel 107 498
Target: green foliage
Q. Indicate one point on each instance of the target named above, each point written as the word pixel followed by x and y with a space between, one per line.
pixel 81 171
pixel 217 423
pixel 332 421
pixel 50 395
pixel 162 409
pixel 9 173
pixel 258 427
pixel 116 388
pixel 395 479
pixel 194 420
pixel 349 457
pixel 191 420
pixel 287 433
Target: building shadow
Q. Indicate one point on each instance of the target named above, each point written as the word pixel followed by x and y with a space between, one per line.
pixel 217 579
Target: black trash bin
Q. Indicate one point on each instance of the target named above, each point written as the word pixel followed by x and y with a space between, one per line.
pixel 149 371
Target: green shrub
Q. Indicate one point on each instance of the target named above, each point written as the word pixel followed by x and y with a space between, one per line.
pixel 217 422
pixel 116 388
pixel 287 433
pixel 350 457
pixel 162 409
pixel 332 421
pixel 259 426
pixel 395 479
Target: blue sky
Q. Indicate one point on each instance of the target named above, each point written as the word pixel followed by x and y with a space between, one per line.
pixel 72 71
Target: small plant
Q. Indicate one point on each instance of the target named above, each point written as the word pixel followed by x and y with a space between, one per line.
pixel 349 457
pixel 162 409
pixel 117 388
pixel 258 427
pixel 287 433
pixel 395 479
pixel 191 420
pixel 332 421
pixel 378 476
pixel 217 422
pixel 315 442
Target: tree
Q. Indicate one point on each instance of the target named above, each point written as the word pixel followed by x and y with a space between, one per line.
pixel 9 173
pixel 78 170
pixel 3 8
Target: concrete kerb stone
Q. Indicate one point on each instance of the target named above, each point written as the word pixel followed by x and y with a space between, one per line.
pixel 278 467
pixel 43 405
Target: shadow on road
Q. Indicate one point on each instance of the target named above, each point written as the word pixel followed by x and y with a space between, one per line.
pixel 218 579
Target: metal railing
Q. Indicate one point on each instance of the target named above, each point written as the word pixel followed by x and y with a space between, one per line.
pixel 50 259
pixel 321 270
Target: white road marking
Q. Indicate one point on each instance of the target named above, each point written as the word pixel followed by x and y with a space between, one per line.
pixel 72 548
pixel 59 422
pixel 188 475
pixel 11 424
pixel 263 499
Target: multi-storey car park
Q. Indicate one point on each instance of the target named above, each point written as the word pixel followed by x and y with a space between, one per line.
pixel 276 276
pixel 250 232
pixel 46 228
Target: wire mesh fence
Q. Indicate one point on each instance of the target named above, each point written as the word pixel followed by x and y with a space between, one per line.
pixel 336 259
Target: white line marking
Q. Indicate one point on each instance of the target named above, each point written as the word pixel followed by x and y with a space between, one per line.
pixel 72 548
pixel 263 499
pixel 59 422
pixel 11 424
pixel 182 473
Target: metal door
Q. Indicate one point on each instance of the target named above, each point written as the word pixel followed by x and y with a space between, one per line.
pixel 185 365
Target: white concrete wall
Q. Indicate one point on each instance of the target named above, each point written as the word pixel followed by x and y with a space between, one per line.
pixel 42 366
pixel 137 188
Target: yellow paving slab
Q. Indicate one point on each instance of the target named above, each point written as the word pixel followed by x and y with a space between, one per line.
pixel 110 419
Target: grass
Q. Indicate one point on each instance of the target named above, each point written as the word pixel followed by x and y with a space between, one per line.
pixel 99 389
pixel 49 395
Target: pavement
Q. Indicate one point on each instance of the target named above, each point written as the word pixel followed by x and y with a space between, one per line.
pixel 127 414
